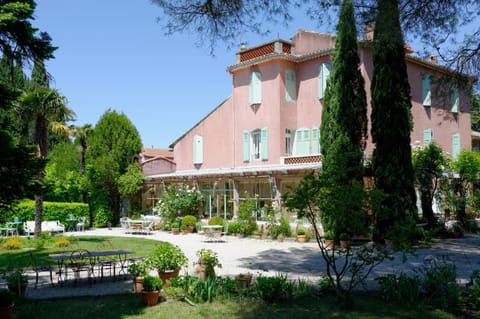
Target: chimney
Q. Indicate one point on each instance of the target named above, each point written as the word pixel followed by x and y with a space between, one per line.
pixel 243 46
pixel 432 58
pixel 368 30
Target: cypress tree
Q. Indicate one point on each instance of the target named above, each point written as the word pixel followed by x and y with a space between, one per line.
pixel 344 130
pixel 391 126
pixel 39 76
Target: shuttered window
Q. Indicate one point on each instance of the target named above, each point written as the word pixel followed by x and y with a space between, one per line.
pixel 246 146
pixel 264 143
pixel 197 149
pixel 302 141
pixel 426 90
pixel 455 145
pixel 255 87
pixel 427 136
pixel 315 140
pixel 290 86
pixel 454 100
pixel 323 75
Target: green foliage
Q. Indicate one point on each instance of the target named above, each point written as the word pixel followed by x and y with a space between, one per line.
pixel 138 268
pixel 273 289
pixel 16 277
pixel 391 122
pixel 282 228
pixel 428 163
pixel 188 220
pixel 301 231
pixel 400 289
pixel 166 256
pixel 103 216
pixel 179 200
pixel 473 290
pixel 209 259
pixel 25 210
pixel 245 217
pixel 234 227
pixel 216 220
pixel 131 183
pixel 196 290
pixel 475 111
pixel 151 283
pixel 12 243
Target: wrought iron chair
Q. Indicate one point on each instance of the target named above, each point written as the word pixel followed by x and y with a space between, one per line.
pixel 37 268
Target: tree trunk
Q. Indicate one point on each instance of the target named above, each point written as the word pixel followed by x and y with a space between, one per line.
pixel 38 215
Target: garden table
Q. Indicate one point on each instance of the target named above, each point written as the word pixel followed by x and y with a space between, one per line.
pixel 213 232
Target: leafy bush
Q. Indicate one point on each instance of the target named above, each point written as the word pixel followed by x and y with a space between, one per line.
pixel 399 288
pixel 151 283
pixel 188 220
pixel 272 289
pixel 233 227
pixel 103 216
pixel 61 242
pixel 216 220
pixel 179 200
pixel 12 243
pixel 166 257
pixel 25 210
pixel 138 269
pixel 473 289
pixel 245 217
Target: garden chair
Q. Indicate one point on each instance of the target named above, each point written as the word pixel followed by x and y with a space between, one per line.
pixel 106 263
pixel 37 268
pixel 81 223
pixel 81 261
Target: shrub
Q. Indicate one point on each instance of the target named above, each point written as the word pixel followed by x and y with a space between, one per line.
pixel 138 269
pixel 273 289
pixel 233 227
pixel 151 283
pixel 103 216
pixel 247 222
pixel 216 220
pixel 12 243
pixel 61 242
pixel 166 257
pixel 301 232
pixel 188 220
pixel 25 210
pixel 399 288
pixel 473 290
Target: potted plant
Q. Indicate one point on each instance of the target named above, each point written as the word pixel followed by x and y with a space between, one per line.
pixel 243 280
pixel 207 261
pixel 151 290
pixel 138 270
pixel 6 304
pixel 328 239
pixel 167 259
pixel 301 235
pixel 17 282
pixel 175 228
pixel 344 240
pixel 188 223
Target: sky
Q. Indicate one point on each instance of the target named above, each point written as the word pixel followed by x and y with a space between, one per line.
pixel 113 54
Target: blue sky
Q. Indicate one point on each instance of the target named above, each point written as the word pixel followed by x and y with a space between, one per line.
pixel 113 54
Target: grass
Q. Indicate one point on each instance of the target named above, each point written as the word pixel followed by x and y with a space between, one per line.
pixel 129 306
pixel 10 259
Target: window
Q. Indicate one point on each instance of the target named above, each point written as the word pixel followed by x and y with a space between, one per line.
pixel 288 142
pixel 315 140
pixel 255 87
pixel 290 86
pixel 427 136
pixel 197 149
pixel 302 141
pixel 323 75
pixel 455 145
pixel 257 142
pixel 454 100
pixel 426 90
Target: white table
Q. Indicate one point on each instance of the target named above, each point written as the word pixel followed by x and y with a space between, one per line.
pixel 213 232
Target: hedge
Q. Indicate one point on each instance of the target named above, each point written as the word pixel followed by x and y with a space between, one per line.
pixel 25 210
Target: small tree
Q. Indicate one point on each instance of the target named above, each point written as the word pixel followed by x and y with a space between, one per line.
pixel 131 183
pixel 180 200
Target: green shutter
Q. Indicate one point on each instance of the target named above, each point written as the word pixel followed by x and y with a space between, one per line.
pixel 246 146
pixel 427 136
pixel 323 75
pixel 454 100
pixel 455 145
pixel 315 140
pixel 264 141
pixel 426 90
pixel 290 86
pixel 302 138
pixel 197 149
pixel 255 88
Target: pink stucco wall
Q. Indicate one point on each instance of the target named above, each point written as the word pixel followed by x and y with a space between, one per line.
pixel 223 128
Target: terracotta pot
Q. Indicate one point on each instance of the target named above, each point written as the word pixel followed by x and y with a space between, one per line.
pixel 150 298
pixel 329 243
pixel 167 275
pixel 244 281
pixel 345 244
pixel 301 238
pixel 137 284
pixel 175 231
pixel 201 272
pixel 6 312
pixel 280 239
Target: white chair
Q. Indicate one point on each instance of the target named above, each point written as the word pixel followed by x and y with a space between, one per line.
pixel 81 223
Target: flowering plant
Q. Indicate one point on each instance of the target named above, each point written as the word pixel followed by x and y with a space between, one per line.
pixel 209 259
pixel 179 200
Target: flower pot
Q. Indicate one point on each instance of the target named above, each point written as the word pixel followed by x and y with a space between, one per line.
pixel 6 312
pixel 243 281
pixel 301 238
pixel 345 244
pixel 201 272
pixel 167 275
pixel 138 284
pixel 150 298
pixel 329 243
pixel 280 239
pixel 175 231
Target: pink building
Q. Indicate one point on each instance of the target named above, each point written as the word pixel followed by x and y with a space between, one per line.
pixel 265 136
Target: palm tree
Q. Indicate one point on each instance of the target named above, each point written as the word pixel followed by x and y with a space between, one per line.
pixel 46 110
pixel 81 133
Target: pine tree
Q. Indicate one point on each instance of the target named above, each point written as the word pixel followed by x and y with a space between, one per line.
pixel 344 116
pixel 391 126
